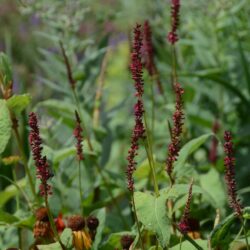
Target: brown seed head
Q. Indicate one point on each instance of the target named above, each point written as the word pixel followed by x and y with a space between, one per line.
pixel 76 222
pixel 41 214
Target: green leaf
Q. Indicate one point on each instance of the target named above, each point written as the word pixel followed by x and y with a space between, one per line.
pixel 212 183
pixel 245 64
pixel 53 246
pixel 188 149
pixel 67 237
pixel 178 190
pixel 220 232
pixel 5 70
pixel 186 245
pixel 143 170
pixel 5 125
pixel 101 216
pixel 114 241
pixel 17 103
pixel 155 248
pixel 151 212
pixel 246 213
pixel 11 191
pixel 26 222
pixel 7 217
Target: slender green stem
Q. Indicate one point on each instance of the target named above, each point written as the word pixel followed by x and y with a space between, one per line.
pixel 80 187
pixel 52 223
pixel 152 111
pixel 150 156
pixel 20 241
pixel 17 196
pixel 174 71
pixel 180 242
pixel 245 233
pixel 24 160
pixel 239 233
pixel 82 121
pixel 192 242
pixel 20 189
pixel 157 245
pixel 136 220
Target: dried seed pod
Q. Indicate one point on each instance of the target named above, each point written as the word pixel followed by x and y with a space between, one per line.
pixel 126 241
pixel 92 223
pixel 76 223
pixel 41 214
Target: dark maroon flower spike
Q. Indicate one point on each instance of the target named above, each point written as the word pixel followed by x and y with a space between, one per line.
pixel 79 138
pixel 175 11
pixel 139 130
pixel 174 146
pixel 184 225
pixel 42 167
pixel 148 55
pixel 229 163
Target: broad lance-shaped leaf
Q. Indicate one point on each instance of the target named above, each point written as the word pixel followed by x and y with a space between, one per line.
pixel 151 212
pixel 5 125
pixel 17 103
pixel 212 183
pixel 5 70
pixel 219 233
pixel 188 149
pixel 101 215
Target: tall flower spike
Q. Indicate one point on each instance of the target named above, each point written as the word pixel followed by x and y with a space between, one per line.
pixel 174 146
pixel 139 130
pixel 229 163
pixel 42 167
pixel 148 55
pixel 184 226
pixel 79 138
pixel 175 11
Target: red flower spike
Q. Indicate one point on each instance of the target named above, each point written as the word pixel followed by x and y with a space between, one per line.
pixel 184 225
pixel 79 138
pixel 42 167
pixel 139 130
pixel 178 116
pixel 175 10
pixel 229 163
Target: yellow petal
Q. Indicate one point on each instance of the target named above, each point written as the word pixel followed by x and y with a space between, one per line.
pixel 86 240
pixel 78 240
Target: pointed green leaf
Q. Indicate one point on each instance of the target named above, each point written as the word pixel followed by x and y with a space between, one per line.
pixel 101 216
pixel 17 103
pixel 5 70
pixel 5 125
pixel 67 237
pixel 188 149
pixel 7 217
pixel 213 184
pixel 219 233
pixel 151 212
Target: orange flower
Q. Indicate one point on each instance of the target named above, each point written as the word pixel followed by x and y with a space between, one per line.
pixel 59 223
